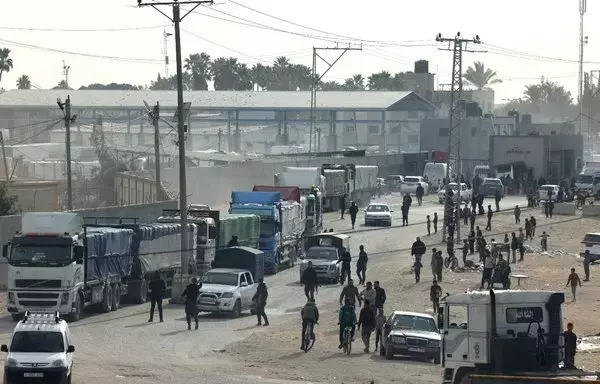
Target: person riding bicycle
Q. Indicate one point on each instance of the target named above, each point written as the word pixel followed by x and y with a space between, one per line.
pixel 581 198
pixel 347 318
pixel 345 259
pixel 310 315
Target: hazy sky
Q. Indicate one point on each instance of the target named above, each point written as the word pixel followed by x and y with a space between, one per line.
pixel 529 33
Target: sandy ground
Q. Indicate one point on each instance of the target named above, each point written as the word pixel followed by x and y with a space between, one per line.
pixel 325 363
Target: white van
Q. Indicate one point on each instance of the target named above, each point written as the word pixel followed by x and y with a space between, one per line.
pixel 483 171
pixel 434 174
pixel 591 242
pixel 549 187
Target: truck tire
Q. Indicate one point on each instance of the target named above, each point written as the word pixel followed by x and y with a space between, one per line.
pixel 237 309
pixel 389 354
pixel 75 316
pixel 107 299
pixel 116 301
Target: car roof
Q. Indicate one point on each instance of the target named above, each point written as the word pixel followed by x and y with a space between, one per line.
pixel 227 270
pixel 492 178
pixel 406 313
pixel 549 185
pixel 41 322
pixel 384 204
pixel 593 233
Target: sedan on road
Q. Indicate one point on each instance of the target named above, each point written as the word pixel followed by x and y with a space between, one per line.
pixel 410 184
pixel 489 186
pixel 378 213
pixel 411 334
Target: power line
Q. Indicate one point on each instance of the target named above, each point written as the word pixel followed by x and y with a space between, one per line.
pixel 79 30
pixel 494 49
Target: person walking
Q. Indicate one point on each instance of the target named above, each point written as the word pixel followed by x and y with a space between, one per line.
pixel 428 225
pixel 528 230
pixel 570 340
pixel 488 269
pixel 437 264
pixel 380 296
pixel 361 265
pixel 587 259
pixel 533 224
pixel 379 323
pixel 573 280
pixel 191 299
pixel 260 298
pixel 497 198
pixel 435 293
pixel 517 213
pixel 310 281
pixel 419 193
pixel 342 205
pixel 156 289
pixel 366 320
pixel 490 214
pixel 471 239
pixel 521 244
pixel 472 217
pixel 544 242
pixel 404 210
pixel 550 207
pixel 435 221
pixel 514 246
pixel 353 211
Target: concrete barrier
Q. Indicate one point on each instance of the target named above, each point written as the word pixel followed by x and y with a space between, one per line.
pixel 566 209
pixel 146 213
pixel 591 210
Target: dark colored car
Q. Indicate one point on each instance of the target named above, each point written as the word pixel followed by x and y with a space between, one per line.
pixel 489 186
pixel 411 334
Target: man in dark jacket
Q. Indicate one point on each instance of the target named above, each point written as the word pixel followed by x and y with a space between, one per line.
pixel 342 205
pixel 570 347
pixel 366 320
pixel 233 242
pixel 418 249
pixel 156 289
pixel 191 298
pixel 361 265
pixel 345 259
pixel 353 211
pixel 404 210
pixel 350 293
pixel 309 280
pixel 260 298
pixel 310 315
pixel 379 295
pixel 420 192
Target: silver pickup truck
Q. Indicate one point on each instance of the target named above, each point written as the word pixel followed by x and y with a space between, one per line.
pixel 324 251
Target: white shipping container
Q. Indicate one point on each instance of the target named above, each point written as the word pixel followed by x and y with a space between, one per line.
pixel 335 182
pixel 366 177
pixel 301 177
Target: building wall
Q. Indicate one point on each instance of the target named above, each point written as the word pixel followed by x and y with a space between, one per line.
pixel 532 150
pixel 485 98
pixel 133 189
pixel 35 196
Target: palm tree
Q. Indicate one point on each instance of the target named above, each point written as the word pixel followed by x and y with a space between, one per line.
pixel 281 79
pixel 24 82
pixel 198 66
pixel 380 81
pixel 245 82
pixel 6 63
pixel 331 86
pixel 225 73
pixel 355 83
pixel 61 85
pixel 261 76
pixel 480 77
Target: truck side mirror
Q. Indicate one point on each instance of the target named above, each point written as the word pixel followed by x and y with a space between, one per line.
pixel 71 349
pixel 4 348
pixel 5 251
pixel 440 319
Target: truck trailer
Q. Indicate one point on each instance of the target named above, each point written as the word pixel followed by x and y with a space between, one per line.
pixel 280 225
pixel 336 186
pixel 57 263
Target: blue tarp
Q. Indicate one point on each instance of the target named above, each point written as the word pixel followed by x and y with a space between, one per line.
pixel 108 252
pixel 263 198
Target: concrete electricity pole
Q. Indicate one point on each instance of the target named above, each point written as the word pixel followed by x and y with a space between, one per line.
pixel 66 108
pixel 457 45
pixel 582 41
pixel 4 157
pixel 316 79
pixel 155 120
pixel 176 19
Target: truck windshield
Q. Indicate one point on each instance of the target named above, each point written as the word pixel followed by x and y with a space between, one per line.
pixel 321 254
pixel 26 254
pixel 221 279
pixel 268 228
pixel 40 342
pixel 414 323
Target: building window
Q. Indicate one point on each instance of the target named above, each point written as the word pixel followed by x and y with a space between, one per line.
pixel 374 129
pixel 395 129
pixel 443 132
pixel 413 114
pixel 349 129
pixel 474 131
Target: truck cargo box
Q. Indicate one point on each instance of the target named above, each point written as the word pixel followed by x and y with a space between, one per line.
pixel 301 177
pixel 242 258
pixel 108 253
pixel 245 227
pixel 335 182
pixel 365 177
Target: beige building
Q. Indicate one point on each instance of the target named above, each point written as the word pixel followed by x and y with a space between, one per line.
pixel 35 196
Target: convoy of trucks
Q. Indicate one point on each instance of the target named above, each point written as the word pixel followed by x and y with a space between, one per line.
pixel 57 263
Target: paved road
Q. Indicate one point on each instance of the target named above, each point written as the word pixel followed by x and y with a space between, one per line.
pixel 122 347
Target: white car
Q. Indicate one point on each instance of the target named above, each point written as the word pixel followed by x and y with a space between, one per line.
pixel 227 290
pixel 378 213
pixel 410 183
pixel 465 192
pixel 40 350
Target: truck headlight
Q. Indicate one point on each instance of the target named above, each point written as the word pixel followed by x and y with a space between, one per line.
pixel 58 363
pixel 227 295
pixel 11 297
pixel 10 363
pixel 64 299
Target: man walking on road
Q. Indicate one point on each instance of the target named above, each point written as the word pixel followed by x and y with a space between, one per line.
pixel 418 249
pixel 361 265
pixel 260 298
pixel 573 281
pixel 498 197
pixel 488 227
pixel 156 289
pixel 309 280
pixel 435 221
pixel 342 205
pixel 191 298
pixel 404 210
pixel 587 258
pixel 350 294
pixel 366 320
pixel 353 210
pixel 517 215
pixel 420 192
pixel 379 295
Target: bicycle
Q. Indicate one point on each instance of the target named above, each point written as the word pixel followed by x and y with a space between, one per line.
pixel 451 262
pixel 347 337
pixel 309 337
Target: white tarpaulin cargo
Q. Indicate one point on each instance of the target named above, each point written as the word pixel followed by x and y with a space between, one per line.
pixel 366 177
pixel 160 246
pixel 335 182
pixel 292 220
pixel 301 177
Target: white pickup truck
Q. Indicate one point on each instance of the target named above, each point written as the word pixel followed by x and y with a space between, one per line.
pixel 465 192
pixel 227 290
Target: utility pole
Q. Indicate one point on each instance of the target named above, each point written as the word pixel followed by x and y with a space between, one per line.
pixel 457 45
pixel 4 157
pixel 582 41
pixel 220 136
pixel 165 52
pixel 66 108
pixel 66 69
pixel 177 19
pixel 594 77
pixel 316 79
pixel 155 120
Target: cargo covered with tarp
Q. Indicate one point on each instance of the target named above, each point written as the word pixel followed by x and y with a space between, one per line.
pixel 108 253
pixel 287 193
pixel 245 227
pixel 242 258
pixel 335 182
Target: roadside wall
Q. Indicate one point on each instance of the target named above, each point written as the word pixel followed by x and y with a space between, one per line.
pixel 9 225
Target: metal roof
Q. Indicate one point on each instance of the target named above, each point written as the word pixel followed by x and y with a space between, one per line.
pixel 219 100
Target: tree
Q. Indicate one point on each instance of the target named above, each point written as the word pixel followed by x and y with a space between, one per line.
pixel 480 77
pixel 331 86
pixel 24 82
pixel 224 73
pixel 7 201
pixel 6 63
pixel 170 84
pixel 62 85
pixel 112 87
pixel 198 66
pixel 547 92
pixel 355 83
pixel 261 76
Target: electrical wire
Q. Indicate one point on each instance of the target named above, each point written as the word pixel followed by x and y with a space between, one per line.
pixel 498 50
pixel 116 58
pixel 55 121
pixel 80 30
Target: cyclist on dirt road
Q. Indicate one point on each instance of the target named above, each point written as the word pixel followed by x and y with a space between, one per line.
pixel 310 315
pixel 347 318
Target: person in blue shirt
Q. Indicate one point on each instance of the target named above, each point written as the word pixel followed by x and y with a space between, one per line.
pixel 347 318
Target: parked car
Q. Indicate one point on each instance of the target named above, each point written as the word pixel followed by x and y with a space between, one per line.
pixel 393 182
pixel 465 192
pixel 411 334
pixel 410 184
pixel 490 185
pixel 543 191
pixel 378 213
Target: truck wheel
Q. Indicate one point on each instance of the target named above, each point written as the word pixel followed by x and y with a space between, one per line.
pixel 107 299
pixel 75 316
pixel 389 354
pixel 116 301
pixel 237 309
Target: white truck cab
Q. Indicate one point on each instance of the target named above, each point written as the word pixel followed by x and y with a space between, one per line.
pixel 501 333
pixel 40 350
pixel 227 290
